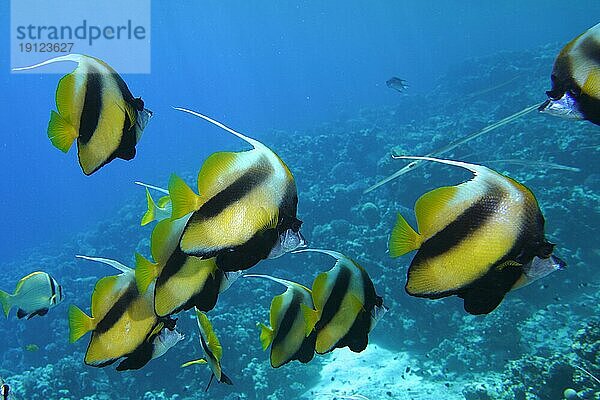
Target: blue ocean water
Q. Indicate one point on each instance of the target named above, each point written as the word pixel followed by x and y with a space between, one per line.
pixel 309 79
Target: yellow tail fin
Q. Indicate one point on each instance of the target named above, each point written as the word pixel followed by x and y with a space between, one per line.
pixel 5 301
pixel 79 323
pixel 193 362
pixel 403 239
pixel 150 214
pixel 60 132
pixel 183 198
pixel 145 272
pixel 266 336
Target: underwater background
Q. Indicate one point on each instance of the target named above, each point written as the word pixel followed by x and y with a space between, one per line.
pixel 308 80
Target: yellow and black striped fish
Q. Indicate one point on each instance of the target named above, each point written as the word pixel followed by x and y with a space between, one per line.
pixel 181 282
pixel 474 238
pixel 575 92
pixel 347 307
pixel 123 322
pixel 34 295
pixel 245 210
pixel 95 107
pixel 291 334
pixel 211 346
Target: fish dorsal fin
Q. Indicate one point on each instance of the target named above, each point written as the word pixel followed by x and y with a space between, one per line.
pixel 319 289
pixel 285 282
pixel 64 97
pixel 26 279
pixel 183 198
pixel 104 295
pixel 206 329
pixel 221 169
pixel 69 57
pixel 254 143
pixel 431 209
pixel 276 309
pixel 113 263
pixel 165 238
pixel 158 189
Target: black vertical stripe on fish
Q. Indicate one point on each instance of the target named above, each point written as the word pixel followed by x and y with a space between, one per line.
pixel 92 106
pixel 139 357
pixel 306 352
pixel 206 299
pixel 125 92
pixel 458 230
pixel 247 255
pixel 332 305
pixel 52 287
pixel 172 266
pixel 117 310
pixel 289 317
pixel 209 354
pixel 357 337
pixel 485 294
pixel 239 188
pixel 126 149
pixel 288 208
pixel 591 49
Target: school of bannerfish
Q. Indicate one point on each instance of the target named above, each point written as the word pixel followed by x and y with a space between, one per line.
pixel 477 240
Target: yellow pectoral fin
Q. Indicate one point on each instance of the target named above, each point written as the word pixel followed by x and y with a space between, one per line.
pixel 194 362
pixel 60 132
pixel 431 209
pixel 508 264
pixel 183 198
pixel 266 336
pixel 79 323
pixel 403 239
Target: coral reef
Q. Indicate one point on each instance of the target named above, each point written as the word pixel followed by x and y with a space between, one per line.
pixel 529 348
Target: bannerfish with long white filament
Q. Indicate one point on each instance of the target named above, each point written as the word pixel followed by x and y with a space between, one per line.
pixel 211 346
pixel 96 107
pixel 123 322
pixel 291 334
pixel 475 239
pixel 245 210
pixel 180 282
pixel 346 306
